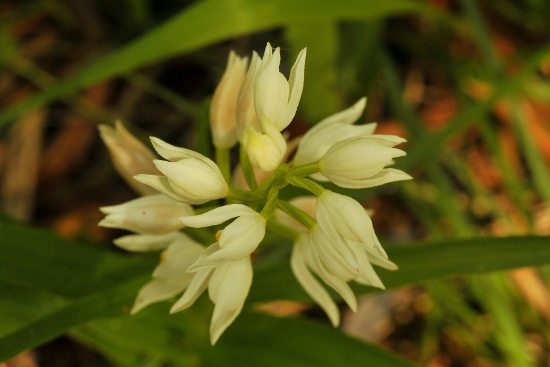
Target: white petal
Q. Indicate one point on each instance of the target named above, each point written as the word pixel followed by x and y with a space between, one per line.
pixel 179 257
pixel 173 153
pixel 146 242
pixel 194 180
pixel 240 238
pixel 265 150
pixel 312 286
pixel 196 286
pixel 157 290
pixel 330 257
pixel 151 214
pixel 228 289
pixel 349 218
pixel 386 175
pixel 217 216
pixel 161 184
pixel 296 83
pixel 365 268
pixel 333 281
pixel 203 262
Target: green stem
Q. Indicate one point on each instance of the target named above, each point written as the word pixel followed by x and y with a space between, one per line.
pixel 301 216
pixel 271 203
pixel 244 195
pixel 306 184
pixel 305 170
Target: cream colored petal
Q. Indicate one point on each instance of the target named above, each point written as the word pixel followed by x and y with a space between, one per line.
pixel 366 270
pixel 160 183
pixel 312 286
pixel 333 281
pixel 265 150
pixel 240 238
pixel 157 290
pixel 349 219
pixel 194 179
pixel 246 113
pixel 203 262
pixel 146 242
pixel 217 216
pixel 151 214
pixel 334 237
pixel 129 155
pixel 296 84
pixel 196 286
pixel 173 153
pixel 228 289
pixel 386 175
pixel 178 257
pixel 332 258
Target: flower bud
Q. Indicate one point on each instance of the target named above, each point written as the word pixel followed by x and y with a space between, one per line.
pixel 150 214
pixel 223 107
pixel 359 162
pixel 189 176
pixel 267 104
pixel 129 156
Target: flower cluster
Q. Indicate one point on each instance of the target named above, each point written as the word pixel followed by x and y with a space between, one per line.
pixel 334 240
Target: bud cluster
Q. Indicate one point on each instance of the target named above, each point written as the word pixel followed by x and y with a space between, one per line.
pixel 333 236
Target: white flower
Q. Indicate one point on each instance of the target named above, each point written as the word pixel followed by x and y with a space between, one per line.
pixel 343 219
pixel 228 286
pixel 170 277
pixel 223 107
pixel 359 162
pixel 237 241
pixel 129 156
pixel 189 177
pixel 317 140
pixel 266 105
pixel 150 214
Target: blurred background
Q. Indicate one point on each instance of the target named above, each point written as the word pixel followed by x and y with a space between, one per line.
pixel 465 81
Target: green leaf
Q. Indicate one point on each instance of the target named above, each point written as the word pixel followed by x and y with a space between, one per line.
pixel 212 21
pixel 260 340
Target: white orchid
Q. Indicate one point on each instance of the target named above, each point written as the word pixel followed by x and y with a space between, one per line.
pixel 360 162
pixel 151 214
pixel 189 176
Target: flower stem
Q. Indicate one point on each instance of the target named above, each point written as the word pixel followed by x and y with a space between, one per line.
pixel 307 184
pixel 305 170
pixel 271 203
pixel 244 195
pixel 296 213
